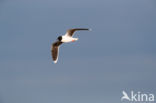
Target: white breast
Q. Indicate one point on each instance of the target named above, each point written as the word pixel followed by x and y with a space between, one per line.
pixel 66 39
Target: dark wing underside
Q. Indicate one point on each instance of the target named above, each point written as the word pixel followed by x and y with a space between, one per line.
pixel 55 50
pixel 70 32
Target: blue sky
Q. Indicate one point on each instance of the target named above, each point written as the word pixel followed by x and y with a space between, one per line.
pixel 118 54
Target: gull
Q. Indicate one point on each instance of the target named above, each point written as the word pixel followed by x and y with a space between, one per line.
pixel 64 39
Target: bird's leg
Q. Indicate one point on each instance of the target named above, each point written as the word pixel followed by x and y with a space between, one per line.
pixel 73 40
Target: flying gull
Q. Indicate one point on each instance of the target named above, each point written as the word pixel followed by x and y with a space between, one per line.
pixel 63 39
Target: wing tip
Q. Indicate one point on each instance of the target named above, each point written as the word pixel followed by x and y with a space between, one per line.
pixel 90 29
pixel 55 61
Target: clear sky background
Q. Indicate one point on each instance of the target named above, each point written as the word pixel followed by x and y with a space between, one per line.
pixel 118 54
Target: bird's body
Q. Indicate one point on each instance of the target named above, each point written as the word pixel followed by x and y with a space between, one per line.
pixel 66 39
pixel 63 39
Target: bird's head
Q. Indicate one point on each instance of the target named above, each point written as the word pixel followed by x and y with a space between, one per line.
pixel 59 38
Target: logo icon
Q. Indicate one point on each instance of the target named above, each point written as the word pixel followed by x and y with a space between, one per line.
pixel 125 96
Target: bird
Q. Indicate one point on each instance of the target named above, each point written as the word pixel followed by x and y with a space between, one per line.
pixel 125 96
pixel 66 38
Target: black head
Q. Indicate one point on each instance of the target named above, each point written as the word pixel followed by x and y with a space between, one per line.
pixel 59 38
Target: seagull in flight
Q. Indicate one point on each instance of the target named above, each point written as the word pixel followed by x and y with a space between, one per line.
pixel 64 39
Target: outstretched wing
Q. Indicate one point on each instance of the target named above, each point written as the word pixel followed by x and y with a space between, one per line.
pixel 55 50
pixel 70 32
